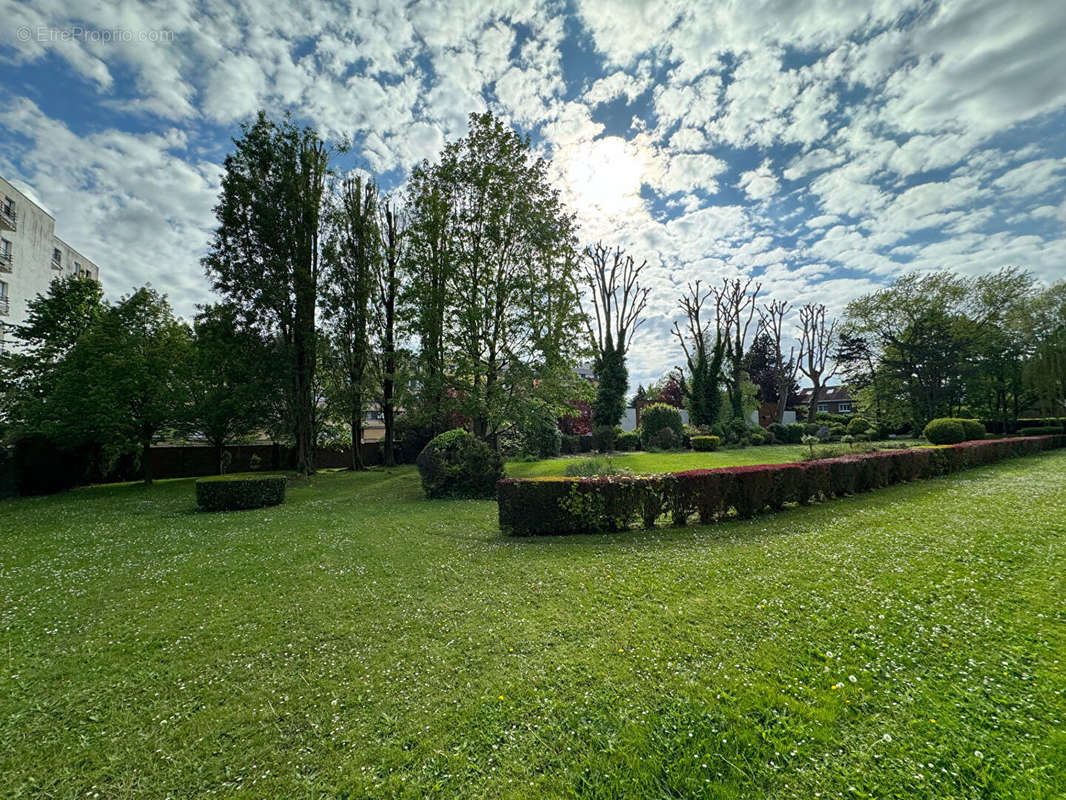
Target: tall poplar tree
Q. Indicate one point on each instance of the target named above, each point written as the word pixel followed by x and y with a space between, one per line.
pixel 264 256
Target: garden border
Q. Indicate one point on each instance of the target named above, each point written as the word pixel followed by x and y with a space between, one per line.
pixel 556 505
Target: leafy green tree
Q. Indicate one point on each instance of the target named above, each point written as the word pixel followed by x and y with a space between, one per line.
pixel 351 259
pixel 388 285
pixel 232 378
pixel 425 298
pixel 1044 372
pixel 264 256
pixel 944 341
pixel 54 323
pixel 125 381
pixel 495 298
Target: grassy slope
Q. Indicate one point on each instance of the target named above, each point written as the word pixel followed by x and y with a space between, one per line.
pixel 649 463
pixel 362 640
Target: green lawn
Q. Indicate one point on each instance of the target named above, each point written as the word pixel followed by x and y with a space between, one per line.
pixel 361 641
pixel 651 463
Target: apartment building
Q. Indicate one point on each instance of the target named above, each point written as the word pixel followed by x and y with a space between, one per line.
pixel 31 256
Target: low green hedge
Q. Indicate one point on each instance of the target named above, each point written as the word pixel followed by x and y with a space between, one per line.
pixel 546 506
pixel 705 444
pixel 627 441
pixel 234 492
pixel 1040 430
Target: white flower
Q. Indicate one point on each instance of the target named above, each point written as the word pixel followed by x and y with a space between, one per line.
pixel 887 737
pixel 852 678
pixel 978 753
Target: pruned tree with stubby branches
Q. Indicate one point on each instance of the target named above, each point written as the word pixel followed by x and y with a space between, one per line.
pixel 704 359
pixel 817 342
pixel 612 280
pixel 772 322
pixel 736 304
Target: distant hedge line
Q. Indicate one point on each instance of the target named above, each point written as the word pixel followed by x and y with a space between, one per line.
pixel 546 506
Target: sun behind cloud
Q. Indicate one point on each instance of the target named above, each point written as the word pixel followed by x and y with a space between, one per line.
pixel 603 177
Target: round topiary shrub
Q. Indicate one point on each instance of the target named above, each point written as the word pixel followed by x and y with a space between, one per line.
pixel 705 444
pixel 945 430
pixel 794 432
pixel 627 441
pixel 973 429
pixel 858 425
pixel 657 416
pixel 235 492
pixel 458 464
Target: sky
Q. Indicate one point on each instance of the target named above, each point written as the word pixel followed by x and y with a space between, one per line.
pixel 822 146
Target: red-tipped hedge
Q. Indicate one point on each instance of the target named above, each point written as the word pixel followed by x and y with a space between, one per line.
pixel 540 506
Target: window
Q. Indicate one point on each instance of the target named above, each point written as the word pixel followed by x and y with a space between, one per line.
pixel 3 298
pixel 9 206
pixel 77 268
pixel 57 259
pixel 5 247
pixel 844 408
pixel 823 407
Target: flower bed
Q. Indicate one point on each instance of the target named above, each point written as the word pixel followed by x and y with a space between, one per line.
pixel 546 506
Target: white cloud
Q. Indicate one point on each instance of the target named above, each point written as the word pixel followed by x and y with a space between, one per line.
pixel 759 184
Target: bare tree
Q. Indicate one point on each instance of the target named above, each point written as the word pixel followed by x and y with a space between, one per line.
pixel 618 300
pixel 772 321
pixel 736 302
pixel 704 359
pixel 817 341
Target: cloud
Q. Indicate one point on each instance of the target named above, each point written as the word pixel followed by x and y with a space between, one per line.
pixel 759 184
pixel 888 135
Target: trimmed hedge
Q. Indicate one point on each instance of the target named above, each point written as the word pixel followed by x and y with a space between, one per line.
pixel 944 430
pixel 458 464
pixel 705 444
pixel 627 441
pixel 235 492
pixel 547 506
pixel 1040 430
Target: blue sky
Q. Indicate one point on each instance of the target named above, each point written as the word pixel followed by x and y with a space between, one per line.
pixel 823 146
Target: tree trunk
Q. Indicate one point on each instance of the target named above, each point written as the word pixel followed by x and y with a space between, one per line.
pixel 146 460
pixel 356 425
pixel 812 411
pixel 220 449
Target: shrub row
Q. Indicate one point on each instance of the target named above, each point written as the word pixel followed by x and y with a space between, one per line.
pixel 546 506
pixel 231 493
pixel 1040 430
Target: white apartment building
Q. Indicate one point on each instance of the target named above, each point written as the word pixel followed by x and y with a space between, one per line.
pixel 31 256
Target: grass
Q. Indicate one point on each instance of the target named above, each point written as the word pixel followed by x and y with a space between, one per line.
pixel 651 463
pixel 360 641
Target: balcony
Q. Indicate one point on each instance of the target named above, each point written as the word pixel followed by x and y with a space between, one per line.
pixel 8 218
pixel 7 260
